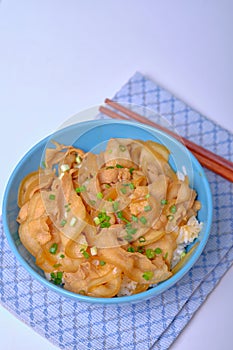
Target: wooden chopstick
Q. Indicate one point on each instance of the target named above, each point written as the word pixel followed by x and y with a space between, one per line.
pixel 211 161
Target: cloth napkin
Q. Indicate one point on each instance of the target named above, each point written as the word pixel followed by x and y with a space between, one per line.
pixel 151 324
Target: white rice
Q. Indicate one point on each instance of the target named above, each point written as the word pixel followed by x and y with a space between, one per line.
pixel 47 275
pixel 127 287
pixel 190 231
pixel 187 234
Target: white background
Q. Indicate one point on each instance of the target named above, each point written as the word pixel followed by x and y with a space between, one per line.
pixel 59 57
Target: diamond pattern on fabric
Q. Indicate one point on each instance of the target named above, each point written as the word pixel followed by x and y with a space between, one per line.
pixel 155 323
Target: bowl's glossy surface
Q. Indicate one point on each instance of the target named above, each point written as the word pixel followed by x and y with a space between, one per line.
pixel 92 135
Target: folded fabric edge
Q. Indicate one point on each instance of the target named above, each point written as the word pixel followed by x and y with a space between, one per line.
pixel 190 298
pixel 171 333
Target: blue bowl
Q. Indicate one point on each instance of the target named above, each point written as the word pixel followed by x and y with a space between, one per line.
pixel 93 135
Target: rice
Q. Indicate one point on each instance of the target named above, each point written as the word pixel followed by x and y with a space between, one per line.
pixel 190 231
pixel 127 287
pixel 47 276
pixel 187 234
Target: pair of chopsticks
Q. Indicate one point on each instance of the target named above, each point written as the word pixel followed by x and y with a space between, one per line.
pixel 211 161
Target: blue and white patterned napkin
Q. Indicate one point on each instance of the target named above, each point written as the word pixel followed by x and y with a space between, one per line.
pixel 152 324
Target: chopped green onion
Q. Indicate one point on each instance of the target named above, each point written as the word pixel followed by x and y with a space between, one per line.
pixel 148 275
pixel 182 255
pixel 81 189
pixel 131 230
pixel 130 249
pixel 73 221
pixel 119 166
pixel 150 253
pixel 102 219
pixel 85 253
pixel 53 248
pixel 143 220
pixel 147 208
pixel 102 263
pixel 120 216
pixel 128 237
pixel 131 170
pixel 110 200
pixel 103 216
pixel 107 186
pixel 65 167
pixel 170 217
pixel 59 274
pixel 56 278
pixel 165 256
pixel 57 265
pixel 173 209
pixel 43 164
pixel 105 224
pixel 52 197
pixel 147 195
pixel 158 250
pixel 131 186
pixel 163 201
pixel 99 195
pixel 63 222
pixel 110 167
pixel 67 206
pixel 62 256
pixel 140 250
pixel 122 148
pixel 123 190
pixel 110 151
pixel 142 239
pixel 115 206
pixel 134 218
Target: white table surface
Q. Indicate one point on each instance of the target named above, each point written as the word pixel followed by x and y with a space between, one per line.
pixel 60 57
